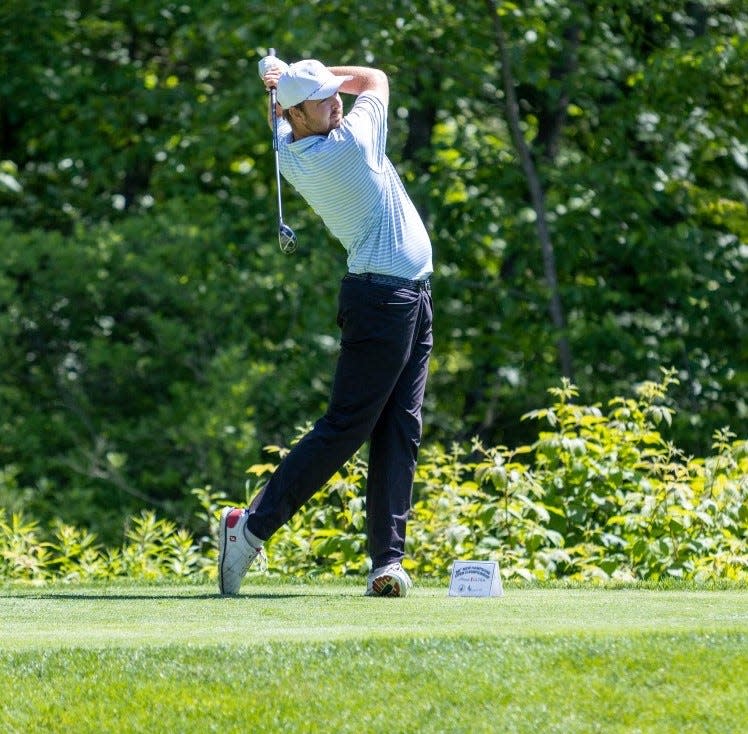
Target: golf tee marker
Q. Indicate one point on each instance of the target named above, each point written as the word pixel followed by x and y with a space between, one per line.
pixel 475 578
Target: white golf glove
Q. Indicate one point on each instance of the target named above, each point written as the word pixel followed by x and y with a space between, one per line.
pixel 268 62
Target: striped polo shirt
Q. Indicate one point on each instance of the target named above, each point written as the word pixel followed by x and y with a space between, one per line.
pixel 348 180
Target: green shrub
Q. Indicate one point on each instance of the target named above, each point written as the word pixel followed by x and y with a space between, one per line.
pixel 154 550
pixel 602 495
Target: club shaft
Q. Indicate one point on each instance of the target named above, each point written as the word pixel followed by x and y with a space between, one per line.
pixel 277 159
pixel 286 237
pixel 274 118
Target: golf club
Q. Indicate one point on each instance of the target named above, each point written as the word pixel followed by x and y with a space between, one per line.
pixel 286 236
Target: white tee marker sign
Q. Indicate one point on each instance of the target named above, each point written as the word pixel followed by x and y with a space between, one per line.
pixel 475 578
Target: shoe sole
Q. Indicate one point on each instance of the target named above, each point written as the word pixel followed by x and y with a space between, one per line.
pixel 386 586
pixel 222 548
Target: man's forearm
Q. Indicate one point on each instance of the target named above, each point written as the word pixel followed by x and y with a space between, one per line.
pixel 365 79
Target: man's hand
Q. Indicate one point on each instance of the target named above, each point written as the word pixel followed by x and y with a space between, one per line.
pixel 270 69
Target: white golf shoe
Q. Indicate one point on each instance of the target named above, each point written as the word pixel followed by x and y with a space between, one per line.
pixel 235 552
pixel 390 580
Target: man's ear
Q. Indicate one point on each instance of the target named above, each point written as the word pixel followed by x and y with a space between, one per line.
pixel 295 113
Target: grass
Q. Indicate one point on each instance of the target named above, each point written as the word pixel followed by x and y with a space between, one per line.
pixel 296 657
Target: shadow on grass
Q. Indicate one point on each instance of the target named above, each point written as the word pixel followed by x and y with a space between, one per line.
pixel 161 597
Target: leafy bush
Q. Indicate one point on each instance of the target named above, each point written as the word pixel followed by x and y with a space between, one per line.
pixel 154 550
pixel 602 495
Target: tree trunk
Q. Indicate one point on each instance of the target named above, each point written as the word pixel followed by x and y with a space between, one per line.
pixel 537 196
pixel 552 117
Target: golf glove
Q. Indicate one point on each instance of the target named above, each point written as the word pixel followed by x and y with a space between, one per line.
pixel 268 62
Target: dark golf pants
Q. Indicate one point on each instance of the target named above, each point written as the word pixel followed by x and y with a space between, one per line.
pixel 377 395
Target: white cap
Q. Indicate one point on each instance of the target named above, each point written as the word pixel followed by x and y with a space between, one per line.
pixel 308 79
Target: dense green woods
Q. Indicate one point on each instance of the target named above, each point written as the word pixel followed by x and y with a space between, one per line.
pixel 152 336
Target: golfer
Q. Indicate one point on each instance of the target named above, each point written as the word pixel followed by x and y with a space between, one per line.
pixel 338 164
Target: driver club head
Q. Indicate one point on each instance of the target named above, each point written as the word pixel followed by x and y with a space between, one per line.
pixel 286 239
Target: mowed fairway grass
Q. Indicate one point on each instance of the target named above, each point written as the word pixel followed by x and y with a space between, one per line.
pixel 320 657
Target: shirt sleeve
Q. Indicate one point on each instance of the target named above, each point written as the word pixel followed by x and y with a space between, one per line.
pixel 367 123
pixel 284 131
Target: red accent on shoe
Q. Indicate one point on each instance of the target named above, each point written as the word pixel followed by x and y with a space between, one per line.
pixel 233 517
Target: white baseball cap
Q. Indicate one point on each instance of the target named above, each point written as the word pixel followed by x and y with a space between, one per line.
pixel 308 79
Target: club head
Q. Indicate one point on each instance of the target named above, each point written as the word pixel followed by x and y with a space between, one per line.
pixel 286 239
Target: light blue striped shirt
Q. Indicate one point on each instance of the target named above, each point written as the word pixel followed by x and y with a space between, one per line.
pixel 348 180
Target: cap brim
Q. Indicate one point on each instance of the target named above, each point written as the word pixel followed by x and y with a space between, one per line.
pixel 329 88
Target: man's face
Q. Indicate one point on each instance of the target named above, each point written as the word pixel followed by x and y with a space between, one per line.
pixel 323 115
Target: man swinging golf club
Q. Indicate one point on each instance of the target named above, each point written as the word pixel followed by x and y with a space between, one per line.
pixel 338 164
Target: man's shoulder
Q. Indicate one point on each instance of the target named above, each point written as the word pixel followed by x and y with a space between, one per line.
pixel 370 99
pixel 368 115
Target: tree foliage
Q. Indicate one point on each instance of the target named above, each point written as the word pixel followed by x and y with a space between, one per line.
pixel 153 338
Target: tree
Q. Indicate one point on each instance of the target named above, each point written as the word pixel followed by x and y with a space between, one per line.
pixel 152 336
